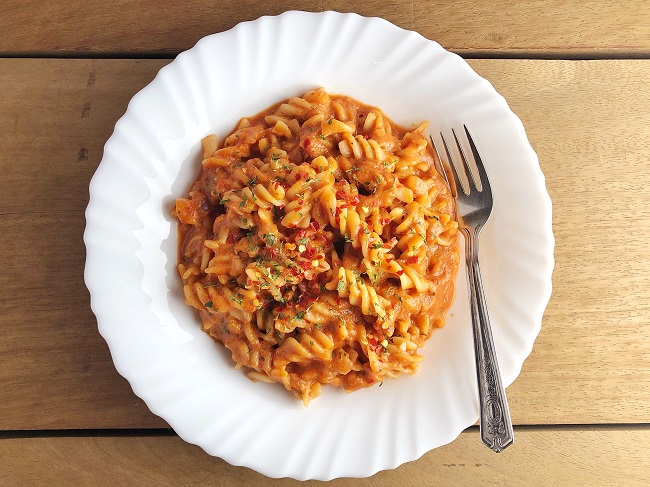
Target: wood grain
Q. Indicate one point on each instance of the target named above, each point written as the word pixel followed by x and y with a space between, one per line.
pixel 55 370
pixel 473 27
pixel 588 121
pixel 610 457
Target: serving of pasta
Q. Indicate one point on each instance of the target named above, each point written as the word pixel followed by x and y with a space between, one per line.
pixel 319 244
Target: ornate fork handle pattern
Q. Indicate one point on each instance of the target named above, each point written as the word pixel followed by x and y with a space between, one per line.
pixel 495 422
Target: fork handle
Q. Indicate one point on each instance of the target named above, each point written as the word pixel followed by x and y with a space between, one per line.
pixel 495 422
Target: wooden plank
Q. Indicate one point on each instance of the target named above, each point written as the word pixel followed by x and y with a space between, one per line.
pixel 588 121
pixel 546 27
pixel 540 457
pixel 55 369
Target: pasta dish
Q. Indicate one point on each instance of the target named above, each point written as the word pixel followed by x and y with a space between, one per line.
pixel 319 244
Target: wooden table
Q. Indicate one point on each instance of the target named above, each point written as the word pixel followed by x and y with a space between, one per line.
pixel 575 71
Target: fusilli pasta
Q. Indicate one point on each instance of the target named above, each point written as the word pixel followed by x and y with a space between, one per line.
pixel 319 244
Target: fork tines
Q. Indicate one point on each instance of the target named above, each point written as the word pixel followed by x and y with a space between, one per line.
pixel 463 173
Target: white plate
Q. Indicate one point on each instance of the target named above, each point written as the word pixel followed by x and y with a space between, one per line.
pixel 153 157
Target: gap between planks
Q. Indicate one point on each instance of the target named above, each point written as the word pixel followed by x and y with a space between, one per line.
pixel 154 432
pixel 527 54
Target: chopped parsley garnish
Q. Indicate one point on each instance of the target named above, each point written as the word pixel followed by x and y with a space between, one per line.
pixel 374 277
pixel 237 298
pixel 300 315
pixel 340 286
pixel 224 200
pixel 249 236
pixel 275 157
pixel 252 181
pixel 329 122
pixel 270 239
pixel 302 241
pixel 322 137
pixel 208 304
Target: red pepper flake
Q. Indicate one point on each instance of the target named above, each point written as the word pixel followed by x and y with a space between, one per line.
pixel 276 185
pixel 305 264
pixel 385 221
pixel 374 345
pixel 341 195
pixel 309 253
pixel 299 177
pixel 232 238
pixel 412 259
pixel 314 225
pixel 400 272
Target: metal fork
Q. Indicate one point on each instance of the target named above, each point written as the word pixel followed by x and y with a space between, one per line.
pixel 474 205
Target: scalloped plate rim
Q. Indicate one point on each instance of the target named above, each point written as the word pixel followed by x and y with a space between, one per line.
pixel 92 209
